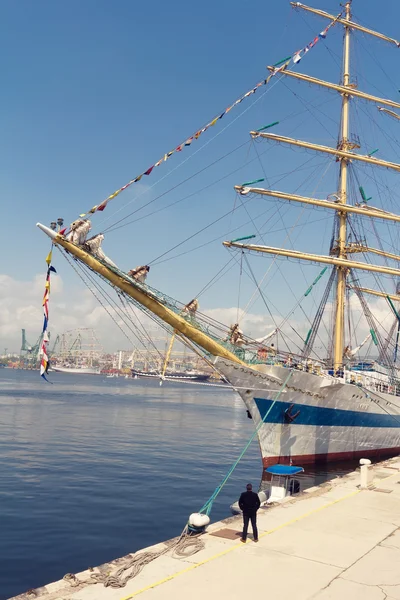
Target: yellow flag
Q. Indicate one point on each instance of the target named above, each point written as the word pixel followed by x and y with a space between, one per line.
pixel 214 121
pixel 48 257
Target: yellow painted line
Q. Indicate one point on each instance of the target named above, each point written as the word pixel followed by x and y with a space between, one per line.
pixel 240 545
pixel 388 477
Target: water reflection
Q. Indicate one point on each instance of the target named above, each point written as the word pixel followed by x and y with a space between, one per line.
pixel 89 467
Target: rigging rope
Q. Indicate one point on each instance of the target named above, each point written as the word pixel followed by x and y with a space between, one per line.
pixel 309 343
pixel 206 508
pixel 194 153
pixel 95 283
pixel 240 285
pixel 371 322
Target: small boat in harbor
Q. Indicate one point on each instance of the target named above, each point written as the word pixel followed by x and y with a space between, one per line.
pixel 76 370
pixel 281 485
pixel 173 375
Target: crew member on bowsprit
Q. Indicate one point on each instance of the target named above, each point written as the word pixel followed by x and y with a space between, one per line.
pixel 249 503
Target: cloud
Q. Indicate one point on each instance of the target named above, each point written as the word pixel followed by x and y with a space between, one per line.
pixel 254 325
pixel 295 329
pixel 76 307
pixel 72 308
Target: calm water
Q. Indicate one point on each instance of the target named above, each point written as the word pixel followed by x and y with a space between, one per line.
pixel 93 468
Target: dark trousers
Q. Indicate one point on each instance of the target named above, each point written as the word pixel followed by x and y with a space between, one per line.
pixel 253 518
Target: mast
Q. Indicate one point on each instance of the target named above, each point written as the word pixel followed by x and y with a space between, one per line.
pixel 339 254
pixel 338 342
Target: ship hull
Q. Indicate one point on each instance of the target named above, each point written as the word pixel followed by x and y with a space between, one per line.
pixel 315 419
pixel 176 375
pixel 76 371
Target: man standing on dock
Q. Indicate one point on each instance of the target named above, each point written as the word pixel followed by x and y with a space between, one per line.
pixel 249 503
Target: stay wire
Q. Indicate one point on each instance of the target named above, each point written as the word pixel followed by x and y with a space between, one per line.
pixel 236 228
pixel 114 227
pixel 267 90
pixel 190 237
pixel 124 317
pixel 94 293
pixel 256 283
pixel 262 296
pixel 206 508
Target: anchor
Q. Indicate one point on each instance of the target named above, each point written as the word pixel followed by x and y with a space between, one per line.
pixel 289 417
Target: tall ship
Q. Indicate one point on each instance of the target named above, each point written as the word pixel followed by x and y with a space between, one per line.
pixel 78 353
pixel 332 390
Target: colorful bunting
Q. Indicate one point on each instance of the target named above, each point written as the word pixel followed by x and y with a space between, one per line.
pixel 277 68
pixel 297 56
pixel 43 352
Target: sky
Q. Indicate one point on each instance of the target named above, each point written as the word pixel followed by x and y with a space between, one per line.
pixel 95 92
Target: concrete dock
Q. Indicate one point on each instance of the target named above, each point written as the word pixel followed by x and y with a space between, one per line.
pixel 332 542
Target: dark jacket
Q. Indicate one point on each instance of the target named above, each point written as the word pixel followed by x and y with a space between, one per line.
pixel 249 503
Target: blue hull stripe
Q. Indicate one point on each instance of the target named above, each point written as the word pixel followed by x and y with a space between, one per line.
pixel 323 416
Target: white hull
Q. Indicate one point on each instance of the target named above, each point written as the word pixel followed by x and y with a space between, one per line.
pixel 172 376
pixel 335 420
pixel 76 370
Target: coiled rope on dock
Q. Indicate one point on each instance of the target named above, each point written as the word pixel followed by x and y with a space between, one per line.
pixel 187 544
pixel 182 547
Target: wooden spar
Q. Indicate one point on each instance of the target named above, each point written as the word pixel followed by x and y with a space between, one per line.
pixel 350 24
pixel 375 293
pixel 318 258
pixel 144 298
pixel 371 211
pixel 168 354
pixel 342 154
pixel 353 248
pixel 389 112
pixel 351 91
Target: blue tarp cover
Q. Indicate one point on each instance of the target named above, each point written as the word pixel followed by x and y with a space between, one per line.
pixel 284 470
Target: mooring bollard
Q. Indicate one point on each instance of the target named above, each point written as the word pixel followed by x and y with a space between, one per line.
pixel 365 473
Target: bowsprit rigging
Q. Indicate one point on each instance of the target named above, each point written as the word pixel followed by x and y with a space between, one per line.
pixel 332 417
